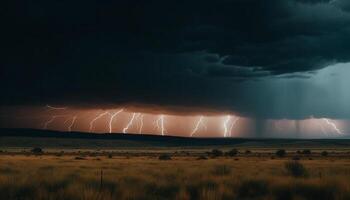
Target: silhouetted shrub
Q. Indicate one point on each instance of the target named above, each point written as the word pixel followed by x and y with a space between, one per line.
pixel 37 150
pixel 164 157
pixel 324 153
pixel 296 169
pixel 306 151
pixel 232 152
pixel 202 158
pixel 281 153
pixel 79 158
pixel 110 155
pixel 216 153
pixel 296 158
pixel 247 152
pixel 61 153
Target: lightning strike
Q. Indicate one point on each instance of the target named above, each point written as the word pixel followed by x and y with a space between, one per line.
pixel 198 125
pixel 333 125
pixel 140 118
pixel 232 125
pixel 72 124
pixel 47 123
pixel 130 122
pixel 322 128
pixel 159 123
pixel 112 117
pixel 227 120
pixel 55 108
pixel 96 118
pixel 319 124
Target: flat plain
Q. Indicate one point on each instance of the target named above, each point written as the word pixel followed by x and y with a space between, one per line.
pixel 176 174
pixel 132 167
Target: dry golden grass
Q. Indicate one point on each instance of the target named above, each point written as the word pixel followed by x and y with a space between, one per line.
pixel 182 178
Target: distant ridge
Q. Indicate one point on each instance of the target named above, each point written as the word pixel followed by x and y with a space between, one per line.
pixel 164 141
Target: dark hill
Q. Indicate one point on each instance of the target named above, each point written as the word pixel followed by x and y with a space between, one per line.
pixel 30 137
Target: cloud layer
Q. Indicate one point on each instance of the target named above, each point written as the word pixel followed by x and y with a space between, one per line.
pixel 172 53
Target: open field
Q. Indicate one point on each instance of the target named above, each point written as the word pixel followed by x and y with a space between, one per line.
pixel 152 167
pixel 93 175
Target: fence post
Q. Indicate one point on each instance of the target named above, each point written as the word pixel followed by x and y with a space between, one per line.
pixel 101 179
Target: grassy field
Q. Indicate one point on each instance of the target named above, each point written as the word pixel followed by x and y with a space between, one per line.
pixel 91 174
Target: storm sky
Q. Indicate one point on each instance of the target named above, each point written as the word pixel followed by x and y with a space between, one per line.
pixel 258 59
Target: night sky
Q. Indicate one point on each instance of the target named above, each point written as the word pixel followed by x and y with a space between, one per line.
pixel 258 60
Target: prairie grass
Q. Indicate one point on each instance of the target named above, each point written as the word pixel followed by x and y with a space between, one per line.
pixel 182 178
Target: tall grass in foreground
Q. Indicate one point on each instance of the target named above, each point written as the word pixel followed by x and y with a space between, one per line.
pixel 182 179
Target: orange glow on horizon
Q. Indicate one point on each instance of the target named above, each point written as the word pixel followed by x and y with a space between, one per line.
pixel 124 120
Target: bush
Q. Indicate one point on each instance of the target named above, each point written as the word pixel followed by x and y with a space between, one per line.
pixel 248 152
pixel 216 153
pixel 324 153
pixel 79 158
pixel 164 157
pixel 202 158
pixel 110 155
pixel 232 152
pixel 306 151
pixel 37 150
pixel 296 158
pixel 296 169
pixel 281 153
pixel 61 153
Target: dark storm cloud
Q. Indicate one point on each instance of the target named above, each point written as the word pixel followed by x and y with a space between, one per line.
pixel 181 53
pixel 343 4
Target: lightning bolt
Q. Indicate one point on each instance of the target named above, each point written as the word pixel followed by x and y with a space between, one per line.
pixel 159 123
pixel 225 125
pixel 112 117
pixel 55 108
pixel 130 122
pixel 319 124
pixel 198 125
pixel 96 118
pixel 48 122
pixel 322 128
pixel 140 118
pixel 232 125
pixel 333 125
pixel 72 124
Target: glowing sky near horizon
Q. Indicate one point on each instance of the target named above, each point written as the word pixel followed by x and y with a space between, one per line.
pixel 122 120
